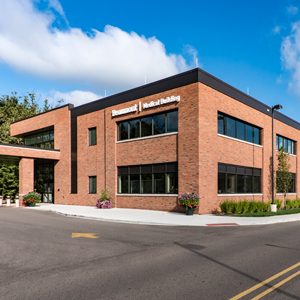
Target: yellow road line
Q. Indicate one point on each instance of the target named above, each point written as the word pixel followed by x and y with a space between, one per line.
pixel 264 282
pixel 276 286
pixel 86 235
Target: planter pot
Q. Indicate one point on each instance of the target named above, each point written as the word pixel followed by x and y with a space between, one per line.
pixel 189 211
pixel 32 204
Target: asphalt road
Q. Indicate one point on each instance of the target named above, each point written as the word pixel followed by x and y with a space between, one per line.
pixel 42 257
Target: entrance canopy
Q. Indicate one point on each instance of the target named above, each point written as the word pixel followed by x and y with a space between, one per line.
pixel 25 156
pixel 20 151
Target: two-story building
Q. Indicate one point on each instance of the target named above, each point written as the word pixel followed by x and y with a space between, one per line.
pixel 187 133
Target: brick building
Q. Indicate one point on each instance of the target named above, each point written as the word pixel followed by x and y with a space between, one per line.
pixel 186 133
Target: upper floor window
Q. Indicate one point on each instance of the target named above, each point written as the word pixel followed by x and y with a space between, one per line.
pixel 92 136
pixel 238 129
pixel 288 145
pixel 148 125
pixel 44 139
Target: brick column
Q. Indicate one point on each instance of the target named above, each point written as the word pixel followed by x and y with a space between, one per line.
pixel 26 176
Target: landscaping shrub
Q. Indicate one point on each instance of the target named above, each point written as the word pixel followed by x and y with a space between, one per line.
pixel 226 206
pixel 245 206
pixel 278 203
pixel 289 203
pixel 267 206
pixel 297 203
pixel 252 206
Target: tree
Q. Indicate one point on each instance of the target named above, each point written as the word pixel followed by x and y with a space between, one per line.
pixel 283 174
pixel 14 108
pixel 9 180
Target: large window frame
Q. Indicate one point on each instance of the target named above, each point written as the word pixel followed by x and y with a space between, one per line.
pixel 234 179
pixel 293 184
pixel 288 144
pixel 148 125
pixel 43 139
pixel 148 179
pixel 238 129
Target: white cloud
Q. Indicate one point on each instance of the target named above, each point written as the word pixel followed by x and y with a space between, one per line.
pixel 113 59
pixel 290 56
pixel 57 6
pixel 73 97
pixel 292 10
pixel 276 29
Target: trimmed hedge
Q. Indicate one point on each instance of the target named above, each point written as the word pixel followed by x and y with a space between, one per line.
pixel 229 206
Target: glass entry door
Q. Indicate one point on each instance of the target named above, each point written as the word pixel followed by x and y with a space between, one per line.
pixel 44 179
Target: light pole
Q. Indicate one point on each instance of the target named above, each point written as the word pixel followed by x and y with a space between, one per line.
pixel 273 205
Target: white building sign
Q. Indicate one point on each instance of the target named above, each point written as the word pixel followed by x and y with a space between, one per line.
pixel 161 102
pixel 145 106
pixel 124 111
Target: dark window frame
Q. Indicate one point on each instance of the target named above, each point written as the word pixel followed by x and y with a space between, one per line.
pixel 286 141
pixel 92 136
pixel 92 184
pixel 168 169
pixel 293 184
pixel 47 143
pixel 165 113
pixel 237 171
pixel 225 128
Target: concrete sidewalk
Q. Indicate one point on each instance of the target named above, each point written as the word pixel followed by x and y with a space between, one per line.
pixel 150 217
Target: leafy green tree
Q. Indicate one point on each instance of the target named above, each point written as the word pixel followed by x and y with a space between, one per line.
pixel 9 180
pixel 14 108
pixel 283 174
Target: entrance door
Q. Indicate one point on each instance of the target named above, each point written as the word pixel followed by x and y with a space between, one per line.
pixel 48 193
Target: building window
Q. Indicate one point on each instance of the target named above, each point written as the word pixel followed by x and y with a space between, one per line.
pixel 92 136
pixel 93 184
pixel 148 125
pixel 292 188
pixel 238 129
pixel 288 145
pixel 44 139
pixel 234 179
pixel 148 179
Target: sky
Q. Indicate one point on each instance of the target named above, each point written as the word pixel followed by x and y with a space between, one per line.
pixel 81 51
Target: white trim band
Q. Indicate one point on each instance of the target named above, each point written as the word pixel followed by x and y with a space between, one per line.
pixel 231 138
pixel 147 137
pixel 148 195
pixel 238 195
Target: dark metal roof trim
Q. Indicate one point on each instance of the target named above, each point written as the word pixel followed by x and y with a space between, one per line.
pixel 176 81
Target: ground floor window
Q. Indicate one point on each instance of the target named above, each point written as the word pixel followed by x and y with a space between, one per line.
pixel 92 184
pixel 292 188
pixel 234 179
pixel 148 179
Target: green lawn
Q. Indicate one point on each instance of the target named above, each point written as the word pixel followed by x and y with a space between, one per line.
pixel 268 213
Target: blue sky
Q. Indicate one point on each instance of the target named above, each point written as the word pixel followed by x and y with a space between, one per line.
pixel 80 50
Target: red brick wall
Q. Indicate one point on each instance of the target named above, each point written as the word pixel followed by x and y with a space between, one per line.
pixel 216 148
pixel 197 147
pixel 26 182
